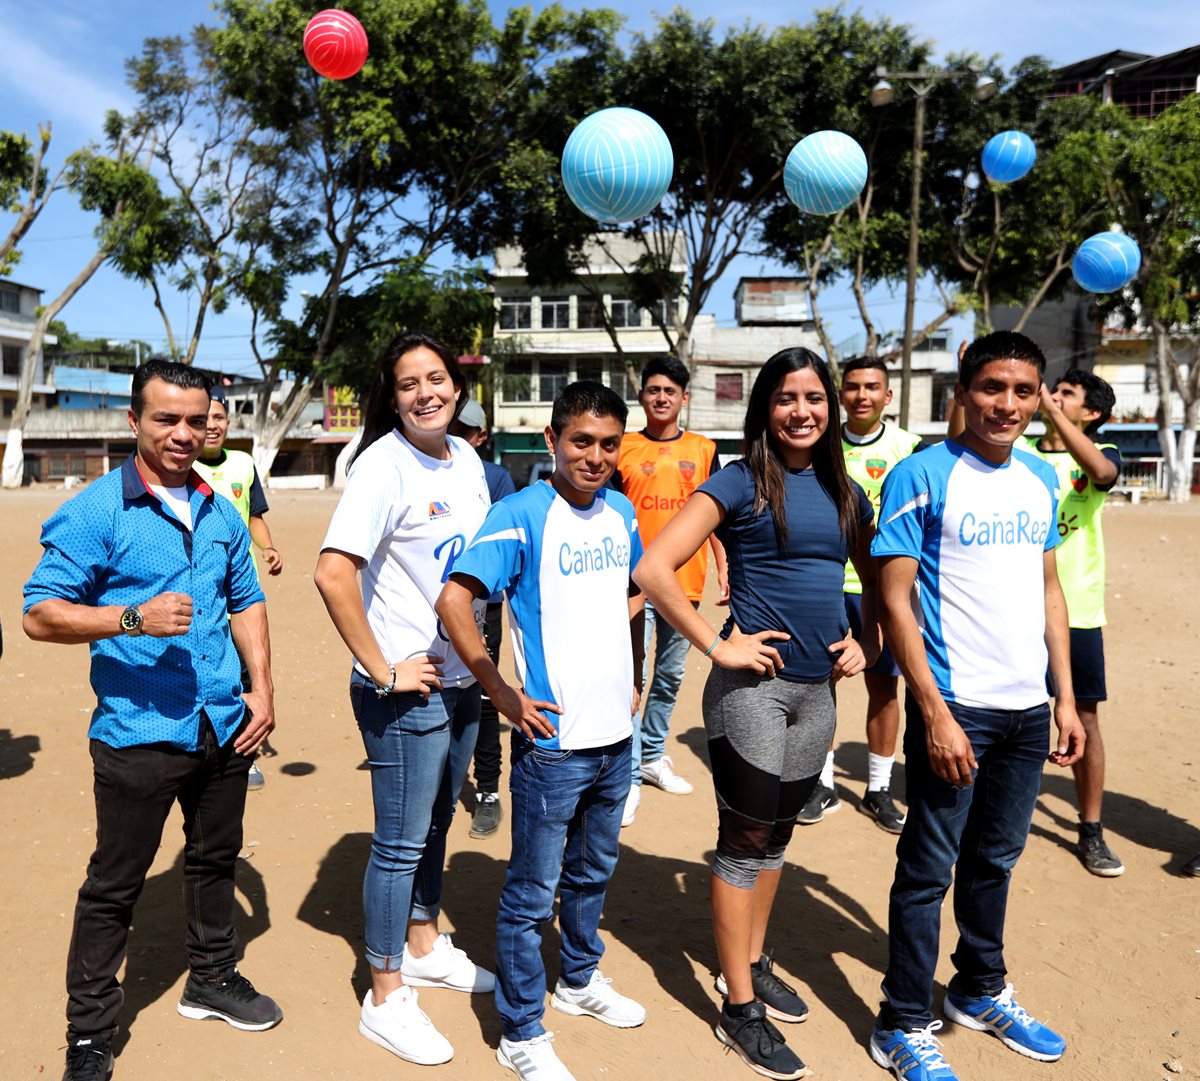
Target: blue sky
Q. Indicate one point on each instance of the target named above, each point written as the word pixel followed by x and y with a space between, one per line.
pixel 63 61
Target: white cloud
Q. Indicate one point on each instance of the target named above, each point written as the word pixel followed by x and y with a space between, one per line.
pixel 51 85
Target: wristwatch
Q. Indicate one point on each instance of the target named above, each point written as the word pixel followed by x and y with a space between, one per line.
pixel 131 621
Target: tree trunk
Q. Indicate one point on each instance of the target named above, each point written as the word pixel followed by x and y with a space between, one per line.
pixel 1178 454
pixel 269 433
pixel 14 449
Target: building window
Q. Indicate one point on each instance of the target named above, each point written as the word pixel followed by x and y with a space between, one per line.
pixel 662 313
pixel 591 314
pixel 591 368
pixel 625 313
pixel 729 388
pixel 12 359
pixel 10 300
pixel 516 313
pixel 9 405
pixel 556 313
pixel 622 381
pixel 553 375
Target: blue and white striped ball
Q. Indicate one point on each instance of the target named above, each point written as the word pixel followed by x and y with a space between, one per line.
pixel 1106 262
pixel 617 165
pixel 1008 156
pixel 825 172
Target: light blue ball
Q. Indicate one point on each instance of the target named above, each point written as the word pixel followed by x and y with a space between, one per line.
pixel 1008 156
pixel 1106 262
pixel 825 172
pixel 617 165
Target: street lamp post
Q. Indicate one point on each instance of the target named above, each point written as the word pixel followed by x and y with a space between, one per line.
pixel 922 81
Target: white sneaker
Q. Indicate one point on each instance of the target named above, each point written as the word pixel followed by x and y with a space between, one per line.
pixel 662 775
pixel 400 1026
pixel 533 1059
pixel 598 1000
pixel 446 966
pixel 631 805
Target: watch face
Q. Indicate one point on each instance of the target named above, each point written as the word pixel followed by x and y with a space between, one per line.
pixel 131 620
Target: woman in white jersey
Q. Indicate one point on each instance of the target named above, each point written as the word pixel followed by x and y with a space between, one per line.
pixel 789 517
pixel 414 498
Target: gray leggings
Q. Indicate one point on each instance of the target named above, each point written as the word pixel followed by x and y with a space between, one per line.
pixel 767 741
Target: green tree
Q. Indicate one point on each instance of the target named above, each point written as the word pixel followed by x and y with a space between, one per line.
pixel 1154 188
pixel 25 188
pixel 118 187
pixel 400 163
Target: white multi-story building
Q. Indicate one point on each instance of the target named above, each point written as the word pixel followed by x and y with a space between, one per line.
pixel 18 314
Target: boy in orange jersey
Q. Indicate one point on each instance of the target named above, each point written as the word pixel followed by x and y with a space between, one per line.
pixel 658 470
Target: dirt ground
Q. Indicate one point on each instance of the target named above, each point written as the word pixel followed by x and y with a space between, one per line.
pixel 1113 964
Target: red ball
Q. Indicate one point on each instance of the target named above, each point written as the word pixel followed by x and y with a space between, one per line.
pixel 335 44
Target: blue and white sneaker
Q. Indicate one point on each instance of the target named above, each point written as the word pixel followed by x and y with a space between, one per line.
pixel 911 1056
pixel 1004 1018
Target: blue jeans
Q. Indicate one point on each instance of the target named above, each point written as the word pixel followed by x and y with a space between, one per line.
pixel 670 658
pixel 982 828
pixel 418 752
pixel 566 821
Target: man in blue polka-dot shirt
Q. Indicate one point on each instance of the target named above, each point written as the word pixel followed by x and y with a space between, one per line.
pixel 154 572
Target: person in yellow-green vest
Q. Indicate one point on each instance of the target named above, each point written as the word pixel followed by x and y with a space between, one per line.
pixel 1074 410
pixel 871 449
pixel 231 473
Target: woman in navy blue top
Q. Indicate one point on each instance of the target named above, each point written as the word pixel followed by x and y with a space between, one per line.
pixel 789 517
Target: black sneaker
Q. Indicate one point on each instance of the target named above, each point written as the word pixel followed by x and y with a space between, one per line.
pixel 1096 855
pixel 231 998
pixel 759 1044
pixel 824 801
pixel 1192 867
pixel 89 1058
pixel 779 997
pixel 488 813
pixel 878 805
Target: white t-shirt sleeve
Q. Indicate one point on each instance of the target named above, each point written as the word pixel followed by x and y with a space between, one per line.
pixel 367 511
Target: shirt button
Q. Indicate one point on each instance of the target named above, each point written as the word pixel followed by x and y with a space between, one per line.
pixel 204 656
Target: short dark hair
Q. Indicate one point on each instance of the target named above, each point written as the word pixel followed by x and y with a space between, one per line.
pixel 585 396
pixel 1098 396
pixel 999 345
pixel 169 371
pixel 672 367
pixel 858 364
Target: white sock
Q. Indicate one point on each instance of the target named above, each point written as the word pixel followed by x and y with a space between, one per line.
pixel 879 771
pixel 827 771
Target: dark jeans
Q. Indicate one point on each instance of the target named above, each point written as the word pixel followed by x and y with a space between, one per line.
pixel 135 789
pixel 566 822
pixel 982 828
pixel 487 746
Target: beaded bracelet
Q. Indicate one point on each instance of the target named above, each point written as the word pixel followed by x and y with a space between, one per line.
pixel 383 692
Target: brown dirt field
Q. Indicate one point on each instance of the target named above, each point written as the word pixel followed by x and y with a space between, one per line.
pixel 1113 964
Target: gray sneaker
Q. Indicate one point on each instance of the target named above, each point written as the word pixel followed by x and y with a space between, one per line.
pixel 823 801
pixel 877 804
pixel 488 813
pixel 1097 857
pixel 255 779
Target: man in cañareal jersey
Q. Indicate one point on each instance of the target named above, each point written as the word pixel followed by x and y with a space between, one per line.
pixel 563 551
pixel 871 448
pixel 659 468
pixel 1074 411
pixel 970 527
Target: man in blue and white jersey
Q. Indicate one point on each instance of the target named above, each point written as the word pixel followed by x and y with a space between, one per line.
pixel 562 550
pixel 970 527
